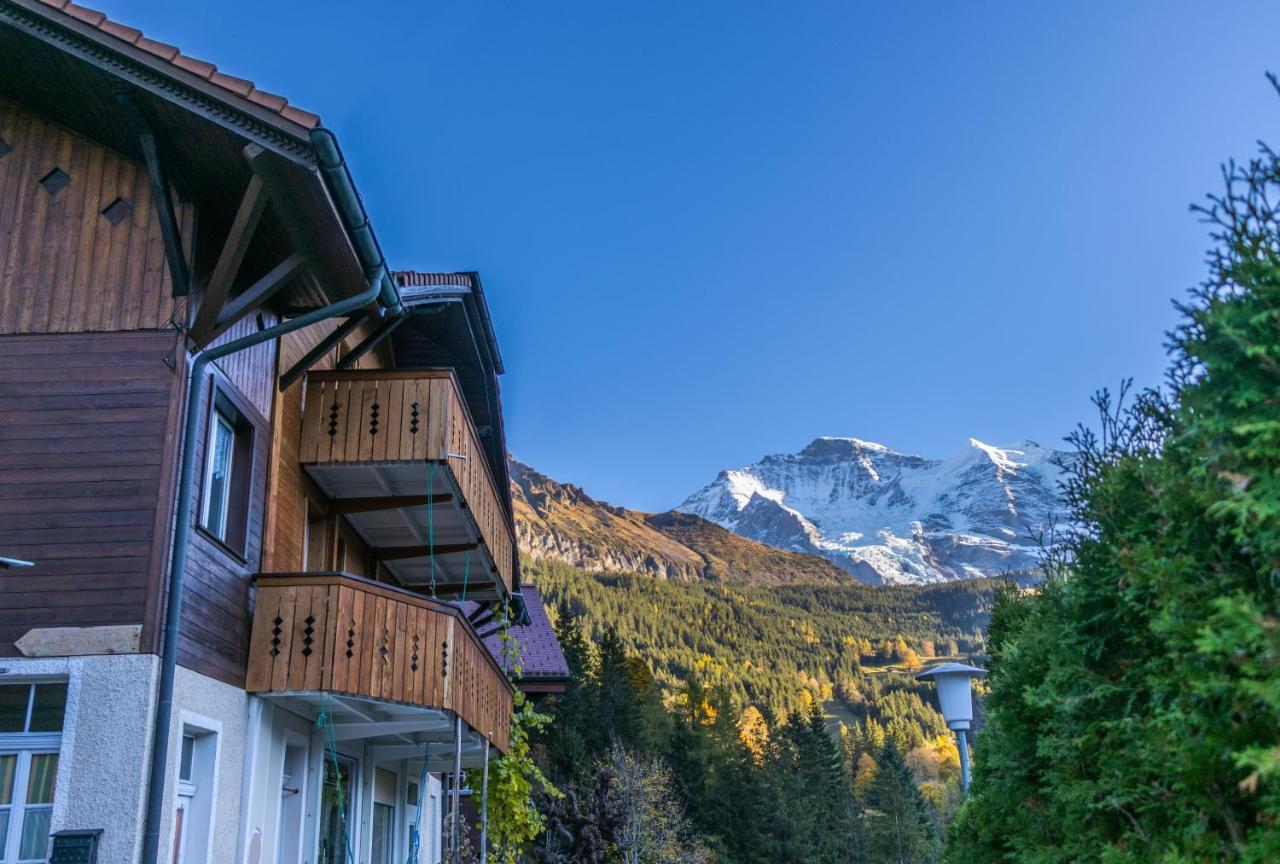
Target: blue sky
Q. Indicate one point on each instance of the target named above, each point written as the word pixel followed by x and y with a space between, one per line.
pixel 714 230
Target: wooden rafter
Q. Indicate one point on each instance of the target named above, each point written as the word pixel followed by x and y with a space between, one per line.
pixel 387 502
pixel 259 292
pixel 216 292
pixel 163 202
pixel 400 553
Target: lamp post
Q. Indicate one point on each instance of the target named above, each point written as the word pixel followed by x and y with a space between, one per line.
pixel 956 699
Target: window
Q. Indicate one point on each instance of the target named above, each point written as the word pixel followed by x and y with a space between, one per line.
pixel 228 472
pixel 30 737
pixel 192 813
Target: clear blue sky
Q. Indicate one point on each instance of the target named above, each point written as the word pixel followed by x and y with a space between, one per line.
pixel 714 230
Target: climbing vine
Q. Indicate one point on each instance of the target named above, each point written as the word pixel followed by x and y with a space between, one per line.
pixel 514 820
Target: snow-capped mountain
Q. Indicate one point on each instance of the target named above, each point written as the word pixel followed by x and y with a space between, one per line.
pixel 892 517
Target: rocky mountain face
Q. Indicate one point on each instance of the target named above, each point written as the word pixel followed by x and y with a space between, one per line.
pixel 889 517
pixel 561 521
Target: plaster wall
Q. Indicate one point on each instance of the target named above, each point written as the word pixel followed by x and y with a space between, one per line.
pixel 106 742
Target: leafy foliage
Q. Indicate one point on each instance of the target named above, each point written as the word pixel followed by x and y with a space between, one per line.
pixel 1135 702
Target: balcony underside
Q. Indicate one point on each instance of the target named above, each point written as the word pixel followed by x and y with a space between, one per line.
pixel 392 731
pixel 404 511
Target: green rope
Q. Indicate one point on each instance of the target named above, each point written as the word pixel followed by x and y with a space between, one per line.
pixel 431 522
pixel 466 574
pixel 324 723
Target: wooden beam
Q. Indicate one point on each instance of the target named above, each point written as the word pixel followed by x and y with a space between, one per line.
pixel 252 205
pixel 386 502
pixel 399 553
pixel 163 202
pixel 258 293
pixel 324 346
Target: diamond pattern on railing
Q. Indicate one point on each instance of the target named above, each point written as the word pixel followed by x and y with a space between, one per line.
pixel 308 636
pixel 275 635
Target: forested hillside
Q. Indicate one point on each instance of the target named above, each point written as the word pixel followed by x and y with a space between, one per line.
pixel 780 647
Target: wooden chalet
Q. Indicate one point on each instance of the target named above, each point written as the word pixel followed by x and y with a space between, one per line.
pixel 258 477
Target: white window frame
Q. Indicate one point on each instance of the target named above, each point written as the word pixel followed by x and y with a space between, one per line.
pixel 196 797
pixel 218 419
pixel 24 746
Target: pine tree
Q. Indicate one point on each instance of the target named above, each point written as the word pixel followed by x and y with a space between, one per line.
pixel 1135 703
pixel 899 825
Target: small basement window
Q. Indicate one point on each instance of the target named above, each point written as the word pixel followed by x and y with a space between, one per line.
pixel 228 470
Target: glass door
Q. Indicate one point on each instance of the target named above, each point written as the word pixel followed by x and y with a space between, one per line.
pixel 337 844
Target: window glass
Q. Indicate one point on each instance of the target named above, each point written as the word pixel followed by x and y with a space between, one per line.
pixel 218 479
pixel 44 771
pixel 8 771
pixel 13 707
pixel 47 709
pixel 34 842
pixel 188 756
pixel 382 814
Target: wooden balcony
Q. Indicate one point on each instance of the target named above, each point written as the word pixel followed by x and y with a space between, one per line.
pixel 330 633
pixel 401 457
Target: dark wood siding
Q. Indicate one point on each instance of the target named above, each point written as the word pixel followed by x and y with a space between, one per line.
pixel 64 267
pixel 86 444
pixel 215 603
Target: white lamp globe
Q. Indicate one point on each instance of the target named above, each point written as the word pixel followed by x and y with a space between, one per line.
pixel 954 694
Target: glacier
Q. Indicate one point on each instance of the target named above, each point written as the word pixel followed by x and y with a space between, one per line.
pixel 895 518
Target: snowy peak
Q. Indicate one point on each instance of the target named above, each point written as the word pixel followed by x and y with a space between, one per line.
pixel 886 516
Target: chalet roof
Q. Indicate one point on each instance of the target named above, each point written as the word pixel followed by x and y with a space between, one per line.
pixel 540 654
pixel 186 64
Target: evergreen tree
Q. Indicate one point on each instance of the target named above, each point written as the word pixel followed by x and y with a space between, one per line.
pixel 1135 703
pixel 899 825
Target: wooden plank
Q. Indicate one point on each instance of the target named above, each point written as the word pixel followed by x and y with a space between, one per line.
pixel 280 661
pixel 258 673
pixel 134 288
pixel 391 436
pixel 399 670
pixel 368 398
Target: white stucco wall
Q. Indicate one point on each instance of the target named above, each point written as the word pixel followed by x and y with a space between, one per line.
pixel 106 733
pixel 106 738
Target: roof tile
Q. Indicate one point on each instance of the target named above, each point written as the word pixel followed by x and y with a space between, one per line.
pixel 239 86
pixel 120 31
pixel 171 54
pixel 268 100
pixel 540 653
pixel 88 16
pixel 160 49
pixel 194 66
pixel 302 118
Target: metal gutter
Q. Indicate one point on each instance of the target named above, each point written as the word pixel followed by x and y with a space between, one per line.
pixel 156 799
pixel 337 177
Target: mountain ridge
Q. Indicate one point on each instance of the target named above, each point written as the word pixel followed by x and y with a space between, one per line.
pixel 891 517
pixel 561 522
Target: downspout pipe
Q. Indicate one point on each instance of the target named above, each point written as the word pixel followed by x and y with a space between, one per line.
pixel 156 799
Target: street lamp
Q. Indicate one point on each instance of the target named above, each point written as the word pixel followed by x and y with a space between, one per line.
pixel 956 698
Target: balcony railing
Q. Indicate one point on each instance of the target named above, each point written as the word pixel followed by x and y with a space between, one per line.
pixel 394 420
pixel 330 632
